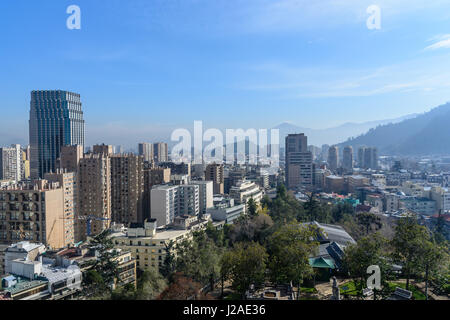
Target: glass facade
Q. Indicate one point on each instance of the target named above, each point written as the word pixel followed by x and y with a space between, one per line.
pixel 56 119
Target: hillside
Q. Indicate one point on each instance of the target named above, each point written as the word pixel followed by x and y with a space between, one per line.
pixel 426 134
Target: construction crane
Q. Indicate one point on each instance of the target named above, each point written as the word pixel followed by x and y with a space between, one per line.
pixel 88 220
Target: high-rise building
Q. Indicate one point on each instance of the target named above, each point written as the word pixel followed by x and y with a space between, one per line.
pixel 33 212
pixel 206 193
pixel 94 197
pixel 67 181
pixel 164 204
pixel 127 188
pixel 169 202
pixel 333 158
pixel 361 157
pixel 299 168
pixel 215 173
pixel 153 177
pixel 347 161
pixel 25 166
pixel 56 120
pixel 104 149
pixel 160 152
pixel 370 158
pixel 11 163
pixel 146 150
pixel 69 159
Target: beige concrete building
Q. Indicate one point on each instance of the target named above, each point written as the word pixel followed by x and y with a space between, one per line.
pixel 215 173
pixel 67 180
pixel 148 245
pixel 104 149
pixel 69 158
pixel 25 166
pixel 127 188
pixel 34 213
pixel 94 199
pixel 160 152
pixel 146 150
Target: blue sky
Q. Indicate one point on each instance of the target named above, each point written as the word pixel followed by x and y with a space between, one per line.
pixel 143 67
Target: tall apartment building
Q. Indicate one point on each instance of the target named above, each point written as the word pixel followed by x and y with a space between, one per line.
pixel 361 157
pixel 11 163
pixel 56 120
pixel 94 194
pixel 164 204
pixel 206 195
pixel 347 161
pixel 25 166
pixel 299 168
pixel 215 173
pixel 67 181
pixel 188 200
pixel 70 157
pixel 333 158
pixel 370 158
pixel 153 177
pixel 146 150
pixel 160 152
pixel 177 168
pixel 169 202
pixel 104 149
pixel 127 188
pixel 34 213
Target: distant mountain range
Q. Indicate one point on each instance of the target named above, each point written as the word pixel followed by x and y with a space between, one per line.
pixel 425 134
pixel 337 134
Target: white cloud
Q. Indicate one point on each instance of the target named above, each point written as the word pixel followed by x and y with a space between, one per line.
pixel 419 75
pixel 443 41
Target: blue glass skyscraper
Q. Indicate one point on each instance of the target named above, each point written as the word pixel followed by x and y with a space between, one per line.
pixel 56 120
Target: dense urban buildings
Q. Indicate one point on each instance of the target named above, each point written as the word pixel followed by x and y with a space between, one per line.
pixel 35 212
pixel 56 120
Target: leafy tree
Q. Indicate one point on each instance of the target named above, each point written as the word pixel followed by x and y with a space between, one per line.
pixel 169 263
pixel 182 288
pixel 199 259
pixel 368 221
pixel 290 248
pixel 104 269
pixel 366 252
pixel 252 207
pixel 245 264
pixel 248 228
pixel 433 261
pixel 340 211
pixel 408 244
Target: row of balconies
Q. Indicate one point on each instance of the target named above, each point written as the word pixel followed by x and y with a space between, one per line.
pixel 19 207
pixel 20 197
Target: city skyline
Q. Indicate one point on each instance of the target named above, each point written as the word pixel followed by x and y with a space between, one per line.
pixel 315 65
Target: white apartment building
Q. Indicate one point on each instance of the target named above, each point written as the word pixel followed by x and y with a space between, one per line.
pixel 206 193
pixel 442 198
pixel 244 190
pixel 11 163
pixel 164 204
